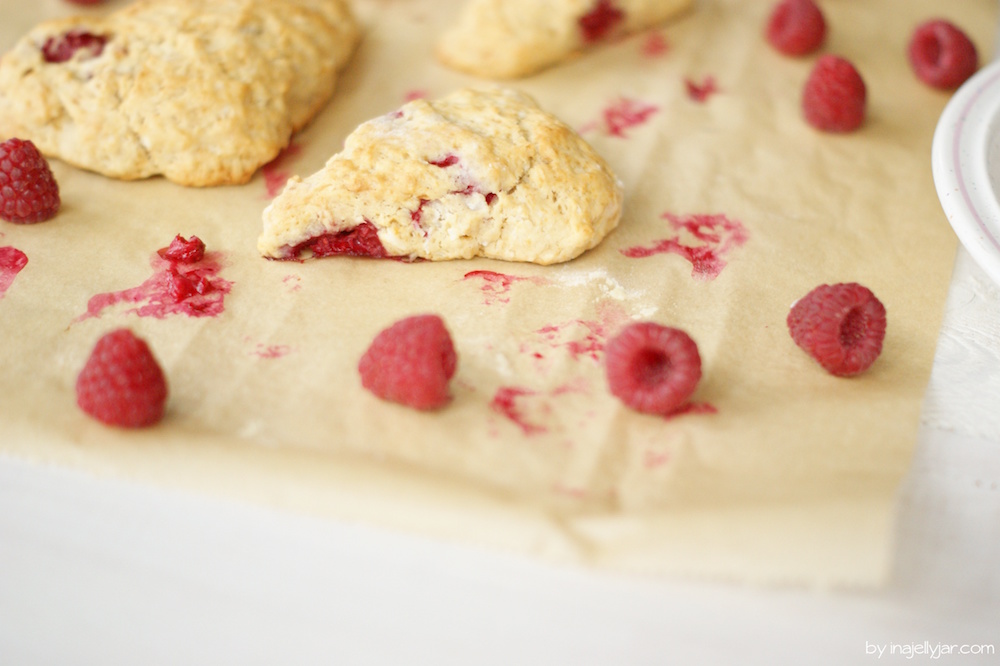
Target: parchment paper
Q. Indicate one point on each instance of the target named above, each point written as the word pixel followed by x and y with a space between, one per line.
pixel 778 472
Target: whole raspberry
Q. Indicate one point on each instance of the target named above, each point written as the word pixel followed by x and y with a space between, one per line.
pixel 840 325
pixel 411 363
pixel 796 27
pixel 652 368
pixel 942 55
pixel 834 96
pixel 122 383
pixel 28 190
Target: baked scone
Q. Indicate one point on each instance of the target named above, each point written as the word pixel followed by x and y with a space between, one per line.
pixel 506 39
pixel 478 173
pixel 203 93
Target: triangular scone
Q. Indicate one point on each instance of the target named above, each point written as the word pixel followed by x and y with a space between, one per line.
pixel 202 92
pixel 475 174
pixel 506 39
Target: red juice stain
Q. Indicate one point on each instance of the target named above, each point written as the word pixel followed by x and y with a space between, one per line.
pixel 692 408
pixel 704 240
pixel 624 114
pixel 271 351
pixel 506 403
pixel 655 45
pixel 12 261
pixel 600 21
pixel 191 288
pixel 700 92
pixel 276 172
pixel 655 459
pixel 293 282
pixel 414 94
pixel 610 317
pixel 496 286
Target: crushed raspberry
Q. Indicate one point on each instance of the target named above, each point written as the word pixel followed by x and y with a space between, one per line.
pixel 941 55
pixel 411 363
pixel 840 325
pixel 796 27
pixel 361 241
pixel 62 48
pixel 184 251
pixel 28 190
pixel 834 96
pixel 600 21
pixel 652 368
pixel 122 384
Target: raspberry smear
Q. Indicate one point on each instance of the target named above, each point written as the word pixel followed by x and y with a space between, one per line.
pixel 276 172
pixel 506 403
pixel 704 240
pixel 496 286
pixel 12 261
pixel 625 114
pixel 600 22
pixel 700 92
pixel 176 287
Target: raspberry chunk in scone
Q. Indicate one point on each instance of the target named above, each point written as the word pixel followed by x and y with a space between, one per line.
pixel 28 190
pixel 652 368
pixel 841 326
pixel 122 383
pixel 411 363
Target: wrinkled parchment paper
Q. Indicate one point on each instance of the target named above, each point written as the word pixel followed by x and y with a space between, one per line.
pixel 777 473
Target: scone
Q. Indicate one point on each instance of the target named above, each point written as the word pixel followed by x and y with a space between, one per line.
pixel 506 39
pixel 478 173
pixel 203 93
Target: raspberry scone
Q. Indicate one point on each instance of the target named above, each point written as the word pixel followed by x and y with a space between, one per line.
pixel 507 39
pixel 203 93
pixel 478 173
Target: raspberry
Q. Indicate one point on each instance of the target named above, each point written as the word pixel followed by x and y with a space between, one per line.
pixel 833 99
pixel 840 325
pixel 28 190
pixel 796 27
pixel 63 48
pixel 121 383
pixel 652 368
pixel 411 363
pixel 184 251
pixel 942 55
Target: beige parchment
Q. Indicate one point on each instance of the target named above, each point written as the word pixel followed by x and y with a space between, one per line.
pixel 780 474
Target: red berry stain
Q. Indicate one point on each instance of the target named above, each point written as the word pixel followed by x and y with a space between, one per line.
pixel 496 286
pixel 176 287
pixel 505 403
pixel 446 161
pixel 655 45
pixel 62 48
pixel 271 351
pixel 12 261
pixel 610 317
pixel 416 93
pixel 276 172
pixel 692 408
pixel 654 459
pixel 359 241
pixel 700 92
pixel 294 282
pixel 600 22
pixel 625 114
pixel 704 240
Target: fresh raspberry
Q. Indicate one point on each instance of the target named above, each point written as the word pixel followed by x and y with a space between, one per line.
pixel 411 363
pixel 652 368
pixel 28 190
pixel 121 383
pixel 840 325
pixel 796 27
pixel 834 96
pixel 184 250
pixel 942 55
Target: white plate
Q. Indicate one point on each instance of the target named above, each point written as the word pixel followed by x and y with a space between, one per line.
pixel 965 159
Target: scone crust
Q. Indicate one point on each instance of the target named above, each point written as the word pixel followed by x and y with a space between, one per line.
pixel 507 39
pixel 479 173
pixel 203 93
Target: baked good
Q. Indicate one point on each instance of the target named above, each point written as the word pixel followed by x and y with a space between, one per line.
pixel 478 173
pixel 507 39
pixel 203 93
